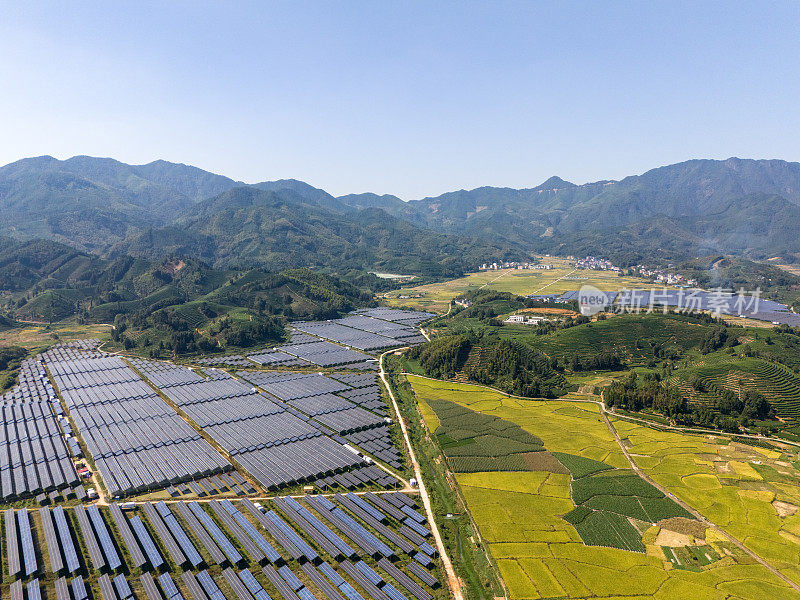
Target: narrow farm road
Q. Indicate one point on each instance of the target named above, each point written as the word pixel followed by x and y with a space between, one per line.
pixel 452 579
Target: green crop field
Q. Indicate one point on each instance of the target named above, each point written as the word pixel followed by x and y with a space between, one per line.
pixel 537 535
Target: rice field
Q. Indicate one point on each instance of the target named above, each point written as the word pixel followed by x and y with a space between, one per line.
pixel 436 297
pixel 540 554
pixel 751 492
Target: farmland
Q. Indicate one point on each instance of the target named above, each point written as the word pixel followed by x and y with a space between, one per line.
pixel 562 277
pixel 541 554
pixel 750 492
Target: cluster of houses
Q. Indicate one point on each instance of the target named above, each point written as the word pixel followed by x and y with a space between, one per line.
pixel 597 264
pixel 662 276
pixel 525 319
pixel 495 266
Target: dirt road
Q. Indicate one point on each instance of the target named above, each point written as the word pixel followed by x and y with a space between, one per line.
pixel 453 581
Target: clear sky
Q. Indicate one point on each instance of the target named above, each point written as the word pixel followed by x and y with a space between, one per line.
pixel 407 98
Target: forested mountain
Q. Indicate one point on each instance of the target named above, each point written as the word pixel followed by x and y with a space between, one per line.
pixel 247 226
pixel 681 211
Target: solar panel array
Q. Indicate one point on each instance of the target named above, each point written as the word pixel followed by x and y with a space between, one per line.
pixel 346 404
pixel 277 444
pixel 34 455
pixel 137 440
pixel 694 300
pixel 365 332
pixel 354 547
pixel 324 353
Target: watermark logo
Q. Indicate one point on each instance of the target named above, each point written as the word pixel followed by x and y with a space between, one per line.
pixel 591 300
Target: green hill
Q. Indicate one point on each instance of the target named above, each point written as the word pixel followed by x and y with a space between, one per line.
pixel 247 226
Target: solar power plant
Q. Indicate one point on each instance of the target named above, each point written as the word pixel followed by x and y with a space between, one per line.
pixel 234 360
pixel 34 454
pixel 309 548
pixel 324 354
pixel 396 315
pixel 137 440
pixel 277 358
pixel 290 386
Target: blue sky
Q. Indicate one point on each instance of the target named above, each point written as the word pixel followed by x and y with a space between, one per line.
pixel 407 98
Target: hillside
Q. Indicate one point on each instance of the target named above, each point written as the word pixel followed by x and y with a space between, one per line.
pixel 247 226
pixel 48 281
pixel 676 212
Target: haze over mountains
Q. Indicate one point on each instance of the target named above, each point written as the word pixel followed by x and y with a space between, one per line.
pixel 745 207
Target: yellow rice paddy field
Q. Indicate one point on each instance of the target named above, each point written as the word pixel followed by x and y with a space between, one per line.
pixel 435 297
pixel 540 555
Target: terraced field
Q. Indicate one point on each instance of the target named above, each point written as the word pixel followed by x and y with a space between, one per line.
pixel 631 336
pixel 718 372
pixel 520 515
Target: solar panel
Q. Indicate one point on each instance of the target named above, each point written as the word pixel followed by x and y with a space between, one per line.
pixel 65 537
pixel 183 540
pixel 164 533
pixel 78 589
pixel 331 593
pixel 137 556
pixel 245 540
pixel 106 588
pixel 195 589
pixel 123 589
pixel 51 538
pixel 169 587
pixel 269 551
pixel 236 584
pixel 12 543
pixel 62 591
pixel 200 532
pixel 209 586
pixel 34 592
pixel 150 587
pixel 150 549
pixel 26 538
pixel 15 590
pixel 112 557
pixel 424 575
pixel 213 529
pixel 412 586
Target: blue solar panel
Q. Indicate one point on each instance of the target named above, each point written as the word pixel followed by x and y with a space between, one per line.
pixel 350 592
pixel 78 589
pixel 369 573
pixel 331 574
pixel 34 593
pixel 290 578
pixel 26 539
pixel 301 544
pixel 149 546
pixel 112 557
pixel 209 586
pixel 305 594
pixel 180 535
pixel 122 587
pixel 213 529
pixel 254 534
pixel 169 587
pixel 392 592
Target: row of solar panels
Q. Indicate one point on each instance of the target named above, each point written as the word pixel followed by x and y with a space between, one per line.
pixel 273 441
pixel 34 457
pixel 344 539
pixel 138 444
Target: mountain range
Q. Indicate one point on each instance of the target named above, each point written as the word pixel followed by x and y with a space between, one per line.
pixel 737 206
